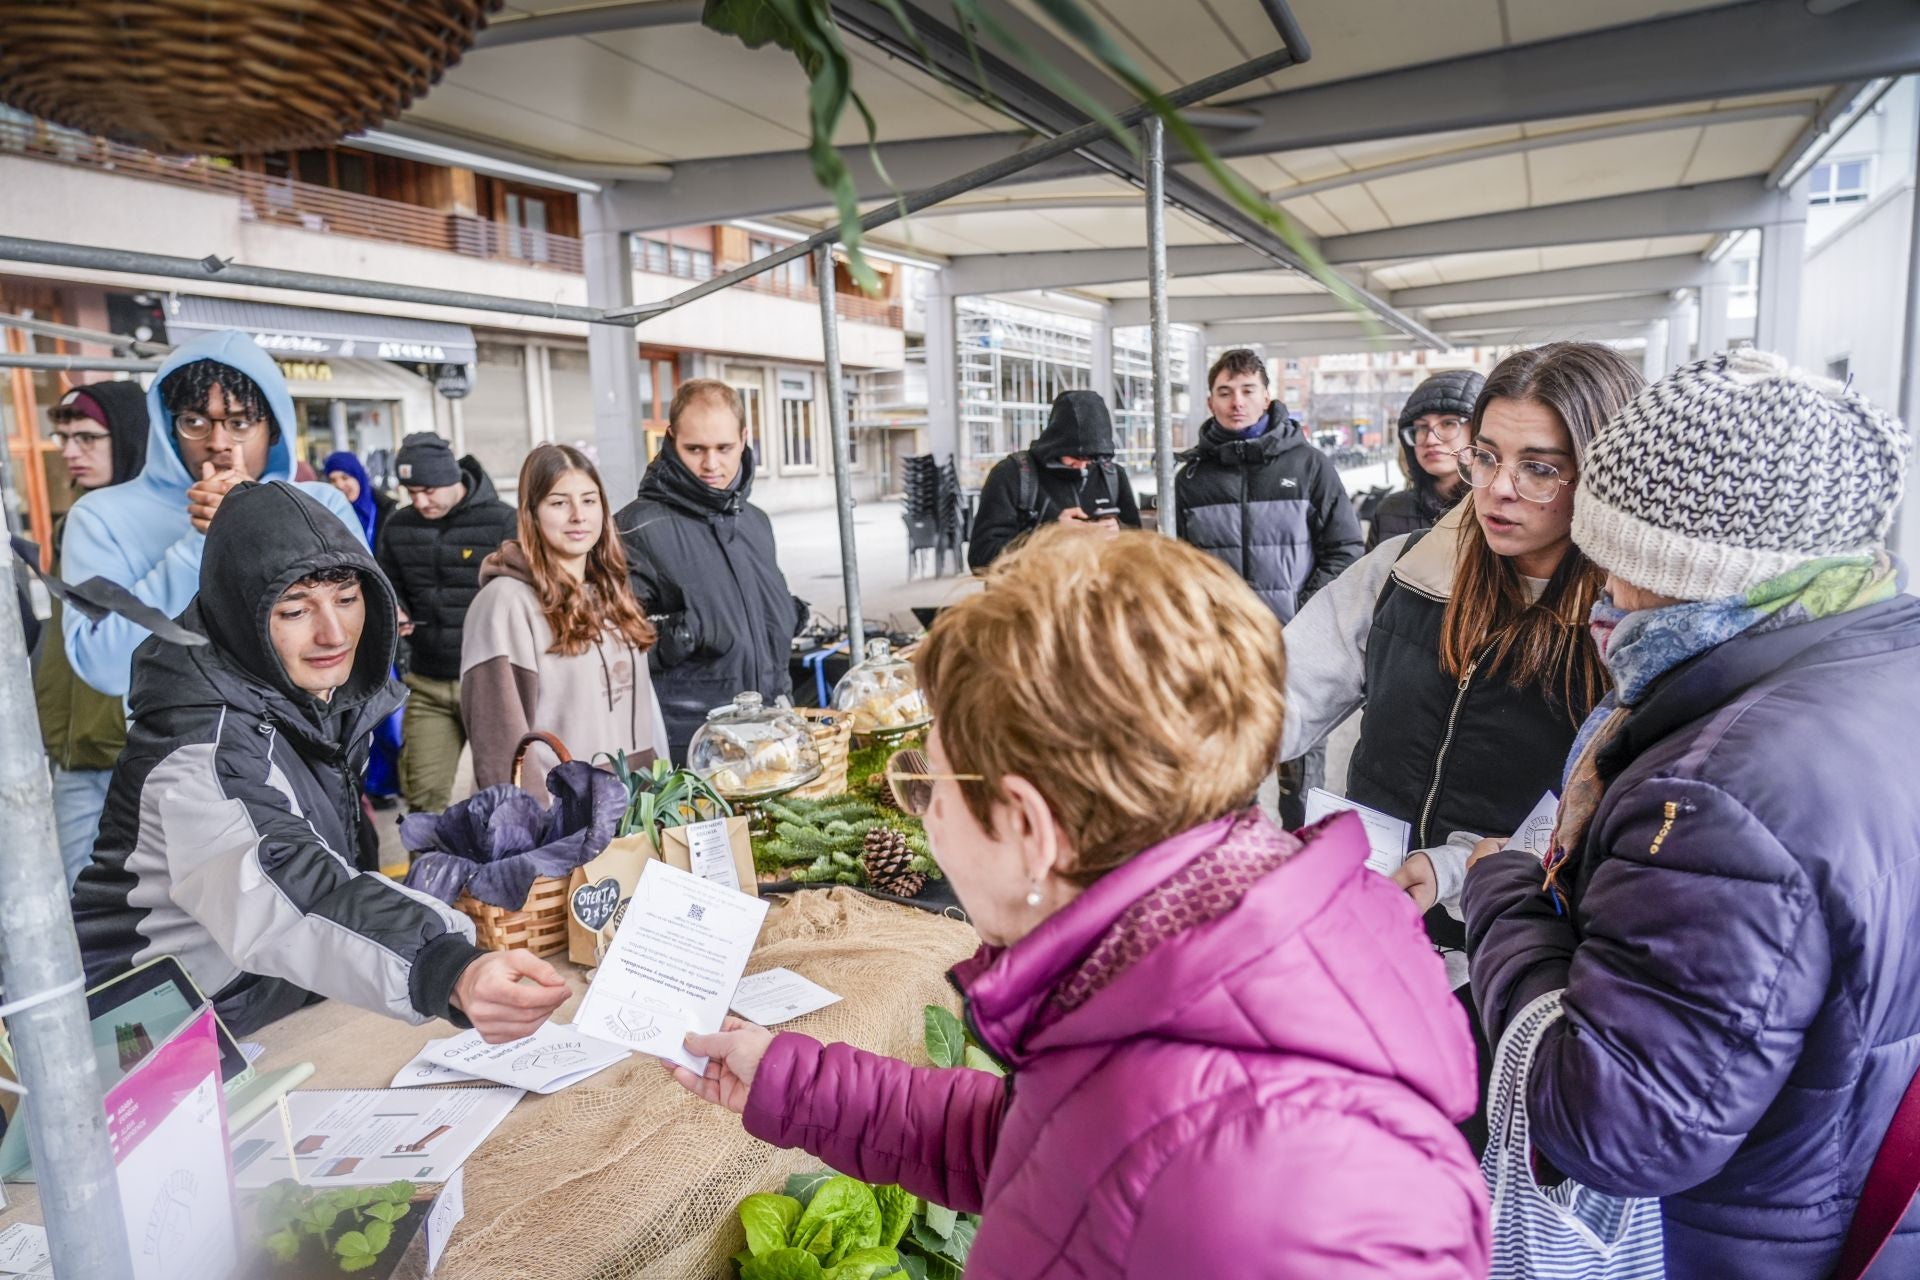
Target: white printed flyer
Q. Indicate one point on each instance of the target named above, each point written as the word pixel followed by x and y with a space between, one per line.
pixel 366 1137
pixel 547 1061
pixel 673 965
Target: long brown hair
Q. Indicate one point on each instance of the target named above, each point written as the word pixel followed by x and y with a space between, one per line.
pixel 578 612
pixel 1543 642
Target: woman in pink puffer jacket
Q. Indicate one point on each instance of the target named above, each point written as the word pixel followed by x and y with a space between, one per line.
pixel 1232 1049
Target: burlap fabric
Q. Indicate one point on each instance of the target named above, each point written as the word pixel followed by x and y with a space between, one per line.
pixel 626 1174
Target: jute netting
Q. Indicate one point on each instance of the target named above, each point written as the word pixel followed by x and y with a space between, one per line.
pixel 628 1175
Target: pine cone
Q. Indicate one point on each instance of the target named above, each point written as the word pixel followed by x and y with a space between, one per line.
pixel 881 793
pixel 889 863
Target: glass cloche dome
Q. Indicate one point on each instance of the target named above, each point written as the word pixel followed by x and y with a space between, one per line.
pixel 750 751
pixel 882 694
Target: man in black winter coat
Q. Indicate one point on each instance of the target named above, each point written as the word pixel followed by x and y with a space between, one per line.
pixel 431 552
pixel 1257 494
pixel 234 838
pixel 702 563
pixel 1067 476
pixel 1435 423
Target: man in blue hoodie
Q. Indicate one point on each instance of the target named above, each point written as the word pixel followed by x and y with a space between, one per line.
pixel 219 415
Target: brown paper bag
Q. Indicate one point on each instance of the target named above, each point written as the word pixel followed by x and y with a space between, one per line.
pixel 597 891
pixel 675 852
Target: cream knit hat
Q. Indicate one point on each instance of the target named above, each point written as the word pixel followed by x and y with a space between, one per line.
pixel 1734 470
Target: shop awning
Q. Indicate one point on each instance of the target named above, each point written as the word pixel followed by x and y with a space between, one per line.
pixel 310 331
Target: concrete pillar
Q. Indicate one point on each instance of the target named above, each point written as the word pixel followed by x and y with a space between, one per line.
pixel 943 371
pixel 1783 254
pixel 539 396
pixel 1653 362
pixel 1713 309
pixel 1680 335
pixel 613 351
pixel 337 425
pixel 1196 384
pixel 1905 537
pixel 1101 379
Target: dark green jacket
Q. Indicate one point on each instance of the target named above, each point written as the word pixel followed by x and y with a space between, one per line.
pixel 80 727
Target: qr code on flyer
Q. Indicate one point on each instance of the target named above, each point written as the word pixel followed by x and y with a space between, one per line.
pixel 696 912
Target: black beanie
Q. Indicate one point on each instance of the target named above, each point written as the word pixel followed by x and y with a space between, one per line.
pixel 426 462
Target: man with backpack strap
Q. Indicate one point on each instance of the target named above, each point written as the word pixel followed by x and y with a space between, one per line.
pixel 1068 476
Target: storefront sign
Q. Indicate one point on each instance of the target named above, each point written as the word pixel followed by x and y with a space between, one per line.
pixel 306 370
pixel 452 381
pixel 428 351
pixel 292 342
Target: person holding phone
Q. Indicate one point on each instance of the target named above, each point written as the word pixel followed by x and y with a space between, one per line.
pixel 1067 477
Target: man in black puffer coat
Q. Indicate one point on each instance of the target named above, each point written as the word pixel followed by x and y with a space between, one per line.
pixel 431 552
pixel 1257 495
pixel 1067 474
pixel 1435 423
pixel 702 563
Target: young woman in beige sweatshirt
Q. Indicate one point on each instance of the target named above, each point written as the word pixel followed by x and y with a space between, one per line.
pixel 554 640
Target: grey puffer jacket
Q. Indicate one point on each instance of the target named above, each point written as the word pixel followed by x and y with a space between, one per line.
pixel 1274 509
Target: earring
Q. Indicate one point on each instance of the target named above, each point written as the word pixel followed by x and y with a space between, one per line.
pixel 1033 896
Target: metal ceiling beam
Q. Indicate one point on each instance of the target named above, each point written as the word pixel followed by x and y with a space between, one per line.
pixel 1126 312
pixel 402 132
pixel 1079 268
pixel 1765 46
pixel 592 21
pixel 1284 333
pixel 1849 102
pixel 1640 309
pixel 1732 205
pixel 1643 275
pixel 1541 142
pixel 943 51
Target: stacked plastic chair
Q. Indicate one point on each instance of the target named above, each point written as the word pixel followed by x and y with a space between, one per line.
pixel 932 512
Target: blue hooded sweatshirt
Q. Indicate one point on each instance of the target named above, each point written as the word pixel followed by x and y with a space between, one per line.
pixel 138 535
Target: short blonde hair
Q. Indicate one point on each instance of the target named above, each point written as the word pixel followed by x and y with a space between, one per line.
pixel 705 389
pixel 1136 682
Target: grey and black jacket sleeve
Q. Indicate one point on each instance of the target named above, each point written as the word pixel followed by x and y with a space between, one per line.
pixel 280 902
pixel 1332 524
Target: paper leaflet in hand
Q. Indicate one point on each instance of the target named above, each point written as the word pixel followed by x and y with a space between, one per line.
pixel 1387 836
pixel 779 995
pixel 547 1061
pixel 1535 835
pixel 673 965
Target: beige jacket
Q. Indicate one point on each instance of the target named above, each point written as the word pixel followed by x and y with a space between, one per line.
pixel 597 702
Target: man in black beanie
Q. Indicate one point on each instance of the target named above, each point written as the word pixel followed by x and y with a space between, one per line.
pixel 431 552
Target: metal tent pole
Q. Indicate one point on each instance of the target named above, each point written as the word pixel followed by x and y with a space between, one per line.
pixel 1905 519
pixel 90 258
pixel 53 1044
pixel 69 364
pixel 112 341
pixel 842 449
pixel 1156 147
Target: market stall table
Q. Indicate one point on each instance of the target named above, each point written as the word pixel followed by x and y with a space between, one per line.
pixel 626 1174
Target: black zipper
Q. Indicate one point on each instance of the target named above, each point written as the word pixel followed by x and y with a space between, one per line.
pixel 1446 743
pixel 1246 527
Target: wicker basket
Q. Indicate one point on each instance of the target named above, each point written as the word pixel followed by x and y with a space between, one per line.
pixel 832 738
pixel 224 77
pixel 540 925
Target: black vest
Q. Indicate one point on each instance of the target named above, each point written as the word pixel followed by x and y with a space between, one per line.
pixel 1449 754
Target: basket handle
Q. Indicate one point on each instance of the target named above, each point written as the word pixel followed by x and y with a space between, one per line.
pixel 558 747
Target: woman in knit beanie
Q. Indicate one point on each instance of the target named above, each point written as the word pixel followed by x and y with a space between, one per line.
pixel 1729 907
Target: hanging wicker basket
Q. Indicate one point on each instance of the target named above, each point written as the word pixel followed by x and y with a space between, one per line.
pixel 226 77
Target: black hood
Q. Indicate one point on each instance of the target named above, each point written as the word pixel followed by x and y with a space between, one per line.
pixel 265 538
pixel 125 405
pixel 1078 426
pixel 1455 391
pixel 479 484
pixel 1219 445
pixel 669 480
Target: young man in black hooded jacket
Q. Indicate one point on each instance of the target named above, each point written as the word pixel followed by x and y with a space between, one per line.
pixel 1067 474
pixel 234 837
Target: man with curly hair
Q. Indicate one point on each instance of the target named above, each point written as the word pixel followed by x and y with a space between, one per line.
pixel 219 415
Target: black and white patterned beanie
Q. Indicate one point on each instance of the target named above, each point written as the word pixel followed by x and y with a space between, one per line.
pixel 1734 470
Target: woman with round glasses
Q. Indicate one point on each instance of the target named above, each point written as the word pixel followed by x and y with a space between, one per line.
pixel 1465 648
pixel 1433 427
pixel 1231 1048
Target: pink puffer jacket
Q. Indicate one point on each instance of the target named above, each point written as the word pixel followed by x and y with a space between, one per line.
pixel 1234 1055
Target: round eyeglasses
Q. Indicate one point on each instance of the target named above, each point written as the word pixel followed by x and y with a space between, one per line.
pixel 1444 429
pixel 198 426
pixel 1534 481
pixel 910 778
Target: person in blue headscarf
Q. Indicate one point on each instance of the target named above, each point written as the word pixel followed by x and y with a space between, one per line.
pixel 344 472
